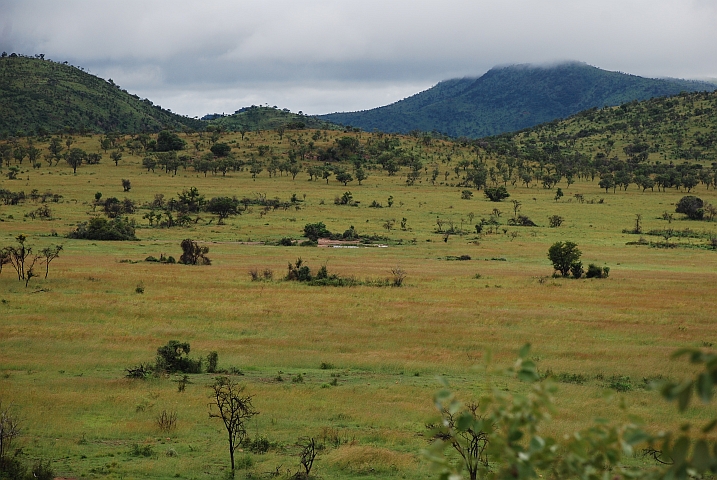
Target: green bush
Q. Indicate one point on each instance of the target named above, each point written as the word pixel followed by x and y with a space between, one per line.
pixel 496 194
pixel 173 358
pixel 314 231
pixel 691 206
pixel 103 229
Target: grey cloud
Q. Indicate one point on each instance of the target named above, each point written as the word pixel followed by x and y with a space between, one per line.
pixel 357 53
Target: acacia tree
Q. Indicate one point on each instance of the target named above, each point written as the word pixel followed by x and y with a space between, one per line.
pixel 75 158
pixel 223 207
pixel 234 408
pixel 50 253
pixel 564 255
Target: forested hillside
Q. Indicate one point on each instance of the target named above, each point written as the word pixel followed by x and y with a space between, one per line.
pixel 42 96
pixel 657 143
pixel 511 98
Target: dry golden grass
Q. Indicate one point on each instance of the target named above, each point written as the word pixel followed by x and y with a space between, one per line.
pixel 65 341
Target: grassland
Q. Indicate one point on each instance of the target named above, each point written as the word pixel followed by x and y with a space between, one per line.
pixel 65 341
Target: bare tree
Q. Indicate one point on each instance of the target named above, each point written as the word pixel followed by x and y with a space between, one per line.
pixel 307 457
pixel 50 253
pixel 234 408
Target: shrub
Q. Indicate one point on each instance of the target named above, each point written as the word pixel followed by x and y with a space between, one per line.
pixel 466 194
pixel 576 269
pixel 496 194
pixel 103 229
pixel 299 272
pixel 166 421
pixel 141 450
pixel 521 221
pixel 173 358
pixel 691 206
pixel 597 272
pixel 593 271
pixel 212 362
pixel 314 231
pixel 286 242
pixel 555 221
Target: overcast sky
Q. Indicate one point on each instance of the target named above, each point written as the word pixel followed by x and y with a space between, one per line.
pixel 324 56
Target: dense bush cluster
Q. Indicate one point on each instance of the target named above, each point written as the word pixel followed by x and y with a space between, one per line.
pixel 104 229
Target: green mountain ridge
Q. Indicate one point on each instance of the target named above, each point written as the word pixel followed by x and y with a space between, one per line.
pixel 38 95
pixel 512 98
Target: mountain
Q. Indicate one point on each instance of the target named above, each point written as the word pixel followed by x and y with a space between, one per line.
pixel 512 98
pixel 38 94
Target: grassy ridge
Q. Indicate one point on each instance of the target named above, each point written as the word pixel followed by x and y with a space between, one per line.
pixel 44 96
pixel 65 341
pixel 267 118
pixel 678 128
pixel 512 98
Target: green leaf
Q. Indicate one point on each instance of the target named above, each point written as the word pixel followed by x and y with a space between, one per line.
pixel 536 443
pixel 636 436
pixel 704 387
pixel 683 400
pixel 679 450
pixel 515 435
pixel 701 458
pixel 465 421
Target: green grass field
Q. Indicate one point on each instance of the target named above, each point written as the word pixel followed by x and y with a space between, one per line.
pixel 65 341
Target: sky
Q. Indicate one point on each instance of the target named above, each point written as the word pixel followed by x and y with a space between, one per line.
pixel 321 56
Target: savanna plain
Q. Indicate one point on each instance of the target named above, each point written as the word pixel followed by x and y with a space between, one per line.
pixel 353 366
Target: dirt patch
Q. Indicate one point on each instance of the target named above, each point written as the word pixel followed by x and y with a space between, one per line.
pixel 325 242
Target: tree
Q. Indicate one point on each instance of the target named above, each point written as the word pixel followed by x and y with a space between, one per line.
pixel 691 206
pixel 193 254
pixel 56 148
pixel 563 255
pixel 169 141
pixel 116 157
pixel 344 177
pixel 294 170
pixel 234 408
pixel 361 175
pixel 126 185
pixel 75 158
pixel 223 207
pixel 314 231
pixel 50 253
pixel 221 149
pixel 607 182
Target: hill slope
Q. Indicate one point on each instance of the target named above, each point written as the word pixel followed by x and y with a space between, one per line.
pixel 665 129
pixel 38 94
pixel 512 98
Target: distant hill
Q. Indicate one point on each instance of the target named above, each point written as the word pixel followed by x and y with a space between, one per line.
pixel 268 118
pixel 512 98
pixel 37 95
pixel 658 130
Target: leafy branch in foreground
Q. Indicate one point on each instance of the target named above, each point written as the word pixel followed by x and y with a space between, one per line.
pixel 505 429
